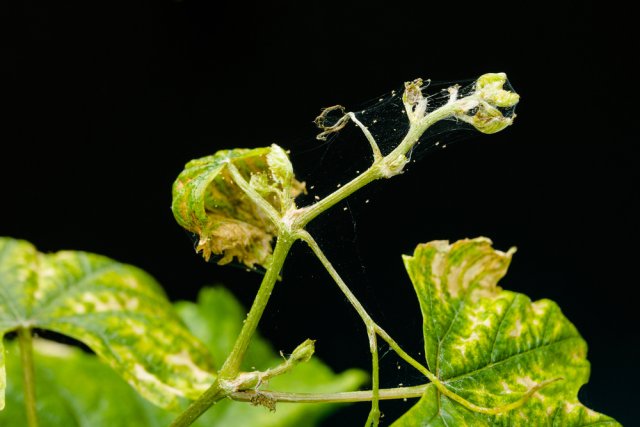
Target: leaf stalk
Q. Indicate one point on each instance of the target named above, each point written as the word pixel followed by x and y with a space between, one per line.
pixel 25 340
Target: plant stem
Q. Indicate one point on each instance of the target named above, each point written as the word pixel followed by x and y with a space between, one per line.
pixel 231 366
pixel 370 323
pixel 374 414
pixel 417 129
pixel 310 212
pixel 304 235
pixel 386 166
pixel 256 198
pixel 377 155
pixel 200 406
pixel 25 341
pixel 341 397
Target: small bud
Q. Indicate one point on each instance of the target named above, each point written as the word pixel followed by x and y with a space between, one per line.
pixel 487 119
pixel 489 88
pixel 303 352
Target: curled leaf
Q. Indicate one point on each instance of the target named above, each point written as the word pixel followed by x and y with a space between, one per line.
pixel 493 347
pixel 328 128
pixel 208 202
pixel 117 310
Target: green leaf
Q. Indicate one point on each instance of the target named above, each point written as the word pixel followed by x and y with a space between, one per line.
pixel 119 311
pixel 75 390
pixel 208 202
pixel 492 346
pixel 3 374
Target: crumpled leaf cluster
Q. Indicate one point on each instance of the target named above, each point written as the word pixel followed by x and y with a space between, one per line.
pixel 229 225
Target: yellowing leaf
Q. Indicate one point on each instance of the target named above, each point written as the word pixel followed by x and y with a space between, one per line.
pixel 492 346
pixel 207 202
pixel 119 311
pixel 75 389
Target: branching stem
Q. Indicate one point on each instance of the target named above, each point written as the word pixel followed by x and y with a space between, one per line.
pixel 382 167
pixel 231 382
pixel 231 366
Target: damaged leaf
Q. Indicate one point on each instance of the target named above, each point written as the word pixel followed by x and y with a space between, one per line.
pixel 76 390
pixel 117 310
pixel 491 346
pixel 207 202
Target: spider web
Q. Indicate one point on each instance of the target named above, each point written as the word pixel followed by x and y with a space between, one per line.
pixel 345 154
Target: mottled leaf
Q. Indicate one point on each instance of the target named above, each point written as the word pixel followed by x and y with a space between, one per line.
pixel 491 346
pixel 208 202
pixel 117 310
pixel 75 390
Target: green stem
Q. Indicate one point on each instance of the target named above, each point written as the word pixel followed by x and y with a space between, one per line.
pixel 382 167
pixel 231 367
pixel 305 215
pixel 374 414
pixel 256 198
pixel 341 397
pixel 377 155
pixel 200 406
pixel 368 321
pixel 304 235
pixel 25 341
pixel 417 129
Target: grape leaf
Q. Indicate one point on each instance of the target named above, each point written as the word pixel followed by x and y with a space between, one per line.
pixel 118 310
pixel 208 202
pixel 491 346
pixel 75 390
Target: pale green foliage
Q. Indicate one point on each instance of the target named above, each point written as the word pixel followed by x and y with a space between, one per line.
pixel 491 346
pixel 3 375
pixel 76 390
pixel 208 202
pixel 117 310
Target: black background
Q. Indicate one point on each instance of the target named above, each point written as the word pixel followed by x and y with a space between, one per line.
pixel 109 99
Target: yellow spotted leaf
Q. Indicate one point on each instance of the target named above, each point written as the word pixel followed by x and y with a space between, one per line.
pixel 492 346
pixel 117 310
